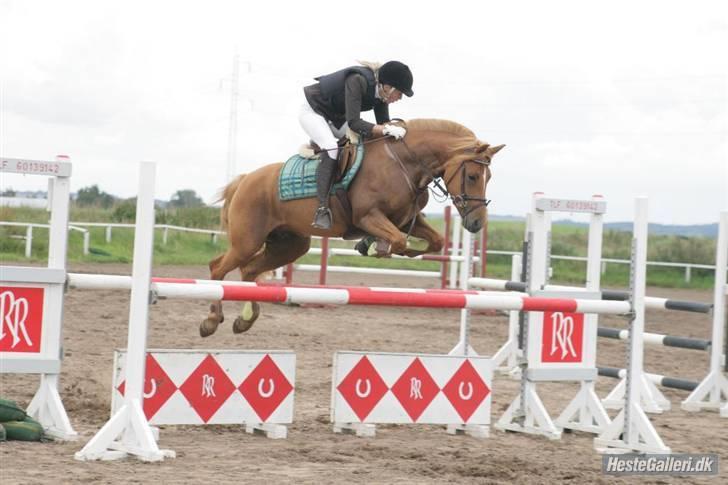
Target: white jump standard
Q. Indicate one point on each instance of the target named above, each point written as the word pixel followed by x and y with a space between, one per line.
pixel 31 304
pixel 712 392
pixel 571 354
pixel 632 430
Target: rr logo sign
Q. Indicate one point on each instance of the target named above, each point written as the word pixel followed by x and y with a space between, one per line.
pixel 563 336
pixel 21 319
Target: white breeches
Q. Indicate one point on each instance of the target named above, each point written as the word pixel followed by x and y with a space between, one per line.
pixel 319 130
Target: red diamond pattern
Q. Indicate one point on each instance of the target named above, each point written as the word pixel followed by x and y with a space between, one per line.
pixel 415 389
pixel 207 388
pixel 265 388
pixel 362 388
pixel 466 390
pixel 158 387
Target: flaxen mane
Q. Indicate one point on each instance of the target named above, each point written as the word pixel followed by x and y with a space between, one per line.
pixel 468 140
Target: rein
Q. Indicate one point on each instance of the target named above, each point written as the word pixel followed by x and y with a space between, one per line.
pixel 460 201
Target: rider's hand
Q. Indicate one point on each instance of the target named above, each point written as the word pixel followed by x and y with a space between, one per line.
pixel 393 130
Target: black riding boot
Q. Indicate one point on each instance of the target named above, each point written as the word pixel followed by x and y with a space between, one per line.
pixel 324 177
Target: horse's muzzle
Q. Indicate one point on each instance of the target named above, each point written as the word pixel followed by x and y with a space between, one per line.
pixel 474 224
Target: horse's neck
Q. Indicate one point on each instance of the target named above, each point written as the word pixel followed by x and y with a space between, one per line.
pixel 428 153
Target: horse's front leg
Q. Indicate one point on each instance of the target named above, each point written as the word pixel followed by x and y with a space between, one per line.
pixel 378 225
pixel 423 230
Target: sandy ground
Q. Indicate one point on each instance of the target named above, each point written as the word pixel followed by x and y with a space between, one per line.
pixel 96 323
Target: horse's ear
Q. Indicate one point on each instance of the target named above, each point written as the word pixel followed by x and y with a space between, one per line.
pixel 495 149
pixel 482 148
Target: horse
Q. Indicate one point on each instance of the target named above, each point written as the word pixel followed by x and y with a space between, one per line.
pixel 385 197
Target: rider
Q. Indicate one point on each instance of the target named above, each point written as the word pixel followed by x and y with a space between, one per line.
pixel 336 101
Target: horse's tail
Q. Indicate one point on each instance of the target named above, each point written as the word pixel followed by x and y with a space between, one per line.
pixel 226 195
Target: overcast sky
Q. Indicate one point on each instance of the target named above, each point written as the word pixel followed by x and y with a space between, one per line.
pixel 617 98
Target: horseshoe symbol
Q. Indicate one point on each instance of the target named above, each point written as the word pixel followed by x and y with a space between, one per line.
pixel 470 391
pixel 365 393
pixel 271 386
pixel 153 391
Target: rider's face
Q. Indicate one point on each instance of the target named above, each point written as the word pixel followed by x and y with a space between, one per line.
pixel 390 94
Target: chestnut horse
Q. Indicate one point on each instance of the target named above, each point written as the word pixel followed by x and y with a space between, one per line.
pixel 386 198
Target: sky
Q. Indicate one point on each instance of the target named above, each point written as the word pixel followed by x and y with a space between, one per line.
pixel 618 98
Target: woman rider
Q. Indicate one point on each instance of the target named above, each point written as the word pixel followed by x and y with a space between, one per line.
pixel 336 101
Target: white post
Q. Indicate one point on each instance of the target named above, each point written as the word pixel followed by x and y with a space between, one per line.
pixel 632 430
pixel 687 273
pixel 108 234
pixel 165 233
pixel 708 393
pixel 128 431
pixel 505 359
pixel 86 241
pixel 58 232
pixel 29 241
pixel 463 347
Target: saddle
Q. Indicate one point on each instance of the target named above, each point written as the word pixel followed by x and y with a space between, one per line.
pixel 348 152
pixel 297 179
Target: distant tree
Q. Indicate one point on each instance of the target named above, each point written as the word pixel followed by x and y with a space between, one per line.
pixel 9 192
pixel 124 211
pixel 186 198
pixel 92 196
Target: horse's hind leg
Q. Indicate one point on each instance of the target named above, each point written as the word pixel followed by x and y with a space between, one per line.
pixel 219 267
pixel 280 249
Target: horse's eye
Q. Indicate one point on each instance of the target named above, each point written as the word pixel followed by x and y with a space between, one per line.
pixel 473 178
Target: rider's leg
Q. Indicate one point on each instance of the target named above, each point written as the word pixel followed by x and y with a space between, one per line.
pixel 318 129
pixel 320 132
pixel 322 219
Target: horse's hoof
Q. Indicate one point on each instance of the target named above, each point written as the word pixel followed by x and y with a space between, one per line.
pixel 248 316
pixel 208 327
pixel 240 325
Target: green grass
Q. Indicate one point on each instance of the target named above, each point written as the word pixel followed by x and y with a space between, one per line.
pixel 199 249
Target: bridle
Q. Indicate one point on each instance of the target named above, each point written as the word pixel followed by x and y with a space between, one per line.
pixel 459 201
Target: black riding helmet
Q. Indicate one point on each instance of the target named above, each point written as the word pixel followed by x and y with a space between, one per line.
pixel 398 75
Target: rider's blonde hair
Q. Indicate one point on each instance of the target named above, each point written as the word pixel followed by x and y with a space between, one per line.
pixel 373 65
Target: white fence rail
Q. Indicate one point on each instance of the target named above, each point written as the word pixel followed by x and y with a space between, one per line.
pixel 29 235
pixel 214 236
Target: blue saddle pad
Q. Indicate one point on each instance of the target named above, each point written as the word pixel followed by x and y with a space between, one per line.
pixel 298 176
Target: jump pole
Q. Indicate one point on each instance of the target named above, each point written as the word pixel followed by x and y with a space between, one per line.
pixel 651 302
pixel 128 432
pixel 712 392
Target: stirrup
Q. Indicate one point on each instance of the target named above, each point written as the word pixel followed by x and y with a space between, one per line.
pixel 322 219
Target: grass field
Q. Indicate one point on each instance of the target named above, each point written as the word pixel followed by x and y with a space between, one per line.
pixel 198 249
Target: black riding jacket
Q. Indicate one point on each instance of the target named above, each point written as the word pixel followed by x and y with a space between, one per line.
pixel 341 97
